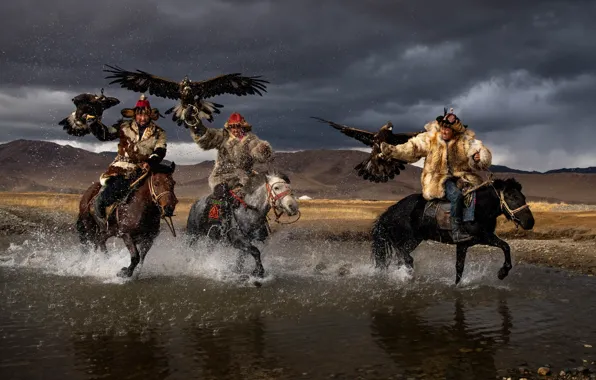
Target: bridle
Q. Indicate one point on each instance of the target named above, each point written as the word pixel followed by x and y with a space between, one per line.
pixel 505 207
pixel 155 197
pixel 274 201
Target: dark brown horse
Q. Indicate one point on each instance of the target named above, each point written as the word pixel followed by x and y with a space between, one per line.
pixel 136 220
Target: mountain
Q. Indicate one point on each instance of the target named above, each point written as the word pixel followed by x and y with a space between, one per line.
pixel 589 170
pixel 27 165
pixel 505 169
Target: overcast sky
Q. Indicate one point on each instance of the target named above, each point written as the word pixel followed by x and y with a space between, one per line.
pixel 522 74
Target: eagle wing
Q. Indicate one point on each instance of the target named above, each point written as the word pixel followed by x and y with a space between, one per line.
pixel 108 102
pixel 234 84
pixel 74 126
pixel 365 137
pixel 141 81
pixel 401 138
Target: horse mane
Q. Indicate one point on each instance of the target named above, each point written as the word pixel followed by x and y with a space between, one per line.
pixel 163 169
pixel 509 183
pixel 257 180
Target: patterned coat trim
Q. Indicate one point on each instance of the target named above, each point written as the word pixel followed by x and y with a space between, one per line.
pixel 134 149
pixel 442 160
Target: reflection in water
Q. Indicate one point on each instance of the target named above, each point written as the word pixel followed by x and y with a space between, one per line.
pixel 137 353
pixel 455 351
pixel 236 351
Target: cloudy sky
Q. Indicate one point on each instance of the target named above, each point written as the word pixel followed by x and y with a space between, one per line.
pixel 522 74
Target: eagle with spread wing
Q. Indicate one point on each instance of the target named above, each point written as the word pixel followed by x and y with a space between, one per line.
pixel 373 168
pixel 192 95
pixel 86 104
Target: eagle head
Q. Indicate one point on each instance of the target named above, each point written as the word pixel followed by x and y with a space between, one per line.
pixel 185 88
pixel 387 127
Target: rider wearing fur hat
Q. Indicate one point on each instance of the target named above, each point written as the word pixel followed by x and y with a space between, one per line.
pixel 452 156
pixel 142 145
pixel 238 149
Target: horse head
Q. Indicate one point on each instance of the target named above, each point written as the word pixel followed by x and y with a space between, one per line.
pixel 279 194
pixel 162 189
pixel 513 202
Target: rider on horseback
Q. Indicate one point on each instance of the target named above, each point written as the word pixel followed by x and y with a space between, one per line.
pixel 238 149
pixel 142 145
pixel 452 155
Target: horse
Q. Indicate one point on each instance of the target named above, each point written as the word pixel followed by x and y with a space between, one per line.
pixel 248 222
pixel 136 219
pixel 404 225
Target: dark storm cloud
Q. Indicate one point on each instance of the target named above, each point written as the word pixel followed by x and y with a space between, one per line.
pixel 510 68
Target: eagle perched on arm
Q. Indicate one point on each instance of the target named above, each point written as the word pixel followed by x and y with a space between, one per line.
pixel 373 168
pixel 87 104
pixel 192 95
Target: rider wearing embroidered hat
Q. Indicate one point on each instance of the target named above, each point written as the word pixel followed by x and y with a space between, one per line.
pixel 142 145
pixel 452 155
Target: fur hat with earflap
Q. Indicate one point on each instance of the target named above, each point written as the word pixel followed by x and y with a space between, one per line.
pixel 142 105
pixel 236 119
pixel 450 120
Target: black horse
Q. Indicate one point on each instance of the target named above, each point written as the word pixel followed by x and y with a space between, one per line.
pixel 403 226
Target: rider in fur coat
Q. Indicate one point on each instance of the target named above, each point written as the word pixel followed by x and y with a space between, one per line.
pixel 238 149
pixel 142 144
pixel 452 156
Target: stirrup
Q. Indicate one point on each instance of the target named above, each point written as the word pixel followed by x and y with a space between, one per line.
pixel 460 236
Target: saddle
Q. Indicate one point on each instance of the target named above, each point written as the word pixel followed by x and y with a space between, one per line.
pixel 111 208
pixel 440 210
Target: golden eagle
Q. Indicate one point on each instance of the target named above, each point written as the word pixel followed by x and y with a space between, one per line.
pixel 86 104
pixel 192 95
pixel 373 168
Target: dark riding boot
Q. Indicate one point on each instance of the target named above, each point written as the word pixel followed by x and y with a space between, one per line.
pixel 457 233
pixel 114 190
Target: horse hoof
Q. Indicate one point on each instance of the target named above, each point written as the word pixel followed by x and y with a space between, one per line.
pixel 124 273
pixel 260 273
pixel 502 273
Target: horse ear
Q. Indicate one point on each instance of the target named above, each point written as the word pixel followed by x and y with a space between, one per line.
pixel 511 182
pixel 499 184
pixel 173 166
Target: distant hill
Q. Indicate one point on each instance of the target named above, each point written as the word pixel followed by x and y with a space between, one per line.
pixel 505 169
pixel 589 170
pixel 27 165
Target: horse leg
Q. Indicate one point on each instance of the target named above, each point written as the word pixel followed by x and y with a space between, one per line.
pixel 246 247
pixel 462 250
pixel 493 241
pixel 145 245
pixel 134 256
pixel 405 248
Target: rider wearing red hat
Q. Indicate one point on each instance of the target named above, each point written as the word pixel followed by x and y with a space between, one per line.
pixel 238 149
pixel 142 145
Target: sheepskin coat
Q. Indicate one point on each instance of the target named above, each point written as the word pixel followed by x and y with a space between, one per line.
pixel 134 149
pixel 443 159
pixel 235 157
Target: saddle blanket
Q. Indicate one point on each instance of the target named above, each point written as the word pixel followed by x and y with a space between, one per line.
pixel 440 209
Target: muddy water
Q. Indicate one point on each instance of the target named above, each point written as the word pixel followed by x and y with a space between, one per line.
pixel 322 312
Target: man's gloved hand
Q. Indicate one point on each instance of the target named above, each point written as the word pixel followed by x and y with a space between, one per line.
pixel 386 150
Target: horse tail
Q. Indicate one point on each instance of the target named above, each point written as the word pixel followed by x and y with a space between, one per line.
pixel 382 246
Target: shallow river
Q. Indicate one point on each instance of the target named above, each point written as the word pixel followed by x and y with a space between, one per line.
pixel 322 312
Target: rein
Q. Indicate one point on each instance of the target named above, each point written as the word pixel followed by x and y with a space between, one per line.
pixel 155 197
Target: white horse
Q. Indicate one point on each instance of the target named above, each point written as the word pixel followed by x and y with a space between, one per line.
pixel 249 220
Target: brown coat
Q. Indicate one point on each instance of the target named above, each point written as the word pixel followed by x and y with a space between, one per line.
pixel 440 156
pixel 235 157
pixel 134 150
